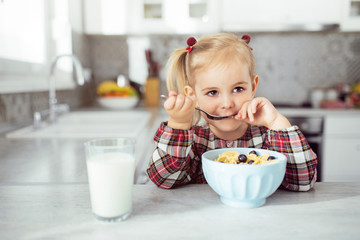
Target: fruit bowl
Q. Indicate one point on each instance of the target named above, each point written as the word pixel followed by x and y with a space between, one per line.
pixel 243 186
pixel 118 103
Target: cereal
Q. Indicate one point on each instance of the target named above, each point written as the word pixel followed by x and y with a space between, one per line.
pixel 252 158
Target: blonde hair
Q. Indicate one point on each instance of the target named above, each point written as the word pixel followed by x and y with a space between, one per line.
pixel 216 50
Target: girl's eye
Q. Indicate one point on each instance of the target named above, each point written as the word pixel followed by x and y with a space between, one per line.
pixel 212 93
pixel 238 89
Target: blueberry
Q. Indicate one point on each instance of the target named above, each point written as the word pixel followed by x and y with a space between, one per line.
pixel 271 158
pixel 253 152
pixel 242 158
pixel 251 162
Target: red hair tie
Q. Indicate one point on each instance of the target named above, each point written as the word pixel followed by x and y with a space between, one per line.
pixel 190 42
pixel 247 39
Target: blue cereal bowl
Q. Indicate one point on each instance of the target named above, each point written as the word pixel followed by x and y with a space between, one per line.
pixel 243 186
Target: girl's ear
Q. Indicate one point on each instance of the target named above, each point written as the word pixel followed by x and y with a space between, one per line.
pixel 254 84
pixel 189 91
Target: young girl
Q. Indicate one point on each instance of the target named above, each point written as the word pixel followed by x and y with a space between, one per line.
pixel 217 74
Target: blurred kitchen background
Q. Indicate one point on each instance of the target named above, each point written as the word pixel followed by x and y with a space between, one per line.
pixel 300 46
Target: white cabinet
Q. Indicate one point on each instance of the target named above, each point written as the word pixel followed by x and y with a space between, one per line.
pixel 169 16
pixel 209 16
pixel 341 158
pixel 350 15
pixel 105 17
pixel 151 16
pixel 279 15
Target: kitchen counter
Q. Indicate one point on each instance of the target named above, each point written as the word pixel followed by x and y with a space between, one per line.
pixel 58 160
pixel 44 195
pixel 318 112
pixel 62 211
pixel 45 160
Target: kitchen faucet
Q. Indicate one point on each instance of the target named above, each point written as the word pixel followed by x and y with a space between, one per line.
pixel 54 108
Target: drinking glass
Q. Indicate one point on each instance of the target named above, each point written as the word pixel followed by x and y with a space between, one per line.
pixel 110 166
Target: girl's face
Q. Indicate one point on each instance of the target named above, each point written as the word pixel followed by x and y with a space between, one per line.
pixel 222 91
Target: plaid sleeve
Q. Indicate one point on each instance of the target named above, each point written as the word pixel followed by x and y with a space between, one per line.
pixel 301 164
pixel 169 164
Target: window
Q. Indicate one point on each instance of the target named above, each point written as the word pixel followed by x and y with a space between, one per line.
pixel 32 33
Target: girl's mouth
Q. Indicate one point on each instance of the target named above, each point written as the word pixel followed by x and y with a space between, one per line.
pixel 230 115
pixel 223 116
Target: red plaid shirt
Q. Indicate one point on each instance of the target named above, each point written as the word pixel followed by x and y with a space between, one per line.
pixel 176 159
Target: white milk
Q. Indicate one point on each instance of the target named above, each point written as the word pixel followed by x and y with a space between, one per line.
pixel 111 178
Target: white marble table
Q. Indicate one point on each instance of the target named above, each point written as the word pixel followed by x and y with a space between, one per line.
pixel 62 211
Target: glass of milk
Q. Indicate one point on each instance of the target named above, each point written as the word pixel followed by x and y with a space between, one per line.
pixel 110 166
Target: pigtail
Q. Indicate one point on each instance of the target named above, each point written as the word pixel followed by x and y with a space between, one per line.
pixel 176 77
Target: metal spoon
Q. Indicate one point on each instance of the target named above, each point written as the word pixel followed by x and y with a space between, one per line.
pixel 208 115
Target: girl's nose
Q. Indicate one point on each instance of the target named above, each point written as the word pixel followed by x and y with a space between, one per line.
pixel 227 101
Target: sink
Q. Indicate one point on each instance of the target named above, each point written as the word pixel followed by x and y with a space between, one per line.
pixel 84 125
pixel 89 124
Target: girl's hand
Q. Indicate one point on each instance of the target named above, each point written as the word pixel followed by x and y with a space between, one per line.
pixel 260 111
pixel 180 109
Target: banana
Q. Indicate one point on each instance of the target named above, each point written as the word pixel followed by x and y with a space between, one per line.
pixel 111 89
